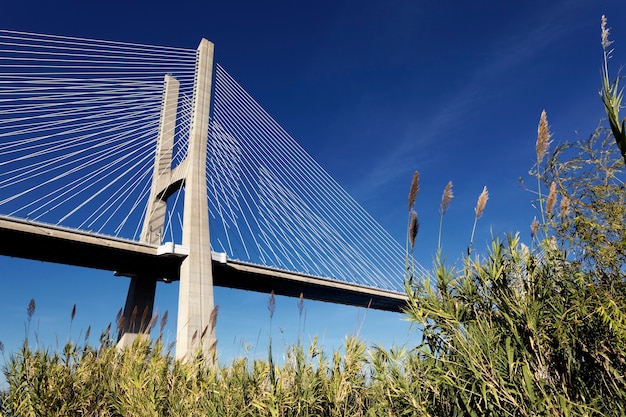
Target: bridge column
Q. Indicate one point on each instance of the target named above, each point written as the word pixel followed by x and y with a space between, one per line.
pixel 154 222
pixel 142 289
pixel 195 302
pixel 138 309
pixel 196 320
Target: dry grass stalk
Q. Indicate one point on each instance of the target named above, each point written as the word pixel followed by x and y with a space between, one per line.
pixel 551 198
pixel 543 137
pixel 120 324
pixel 534 227
pixel 415 187
pixel 301 304
pixel 478 211
pixel 119 321
pixel 213 319
pixel 413 228
pixel 445 203
pixel 271 304
pixel 151 324
pixel 133 315
pixel 564 208
pixel 144 318
pixel 481 203
pixel 31 309
pixel 163 321
pixel 446 198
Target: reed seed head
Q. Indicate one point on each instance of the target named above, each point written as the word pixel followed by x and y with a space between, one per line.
pixel 481 203
pixel 543 137
pixel 605 34
pixel 163 321
pixel 151 324
pixel 120 324
pixel 271 304
pixel 213 318
pixel 144 316
pixel 564 208
pixel 415 187
pixel 534 227
pixel 133 315
pixel 446 198
pixel 31 309
pixel 551 198
pixel 73 312
pixel 413 228
pixel 301 304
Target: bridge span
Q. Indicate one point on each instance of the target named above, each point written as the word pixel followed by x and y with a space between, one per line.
pixel 43 242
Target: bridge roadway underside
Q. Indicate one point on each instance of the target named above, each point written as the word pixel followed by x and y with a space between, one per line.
pixel 37 241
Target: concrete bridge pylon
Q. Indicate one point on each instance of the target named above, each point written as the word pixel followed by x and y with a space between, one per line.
pixel 196 312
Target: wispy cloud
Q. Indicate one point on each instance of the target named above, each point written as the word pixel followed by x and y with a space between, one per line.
pixel 425 139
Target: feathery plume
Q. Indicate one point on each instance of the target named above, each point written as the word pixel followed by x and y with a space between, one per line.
pixel 271 304
pixel 151 323
pixel 31 309
pixel 543 137
pixel 415 187
pixel 478 210
pixel 551 198
pixel 481 203
pixel 119 321
pixel 564 208
pixel 605 34
pixel 534 227
pixel 413 228
pixel 73 312
pixel 446 198
pixel 301 304
pixel 213 318
pixel 144 316
pixel 120 324
pixel 163 321
pixel 445 203
pixel 133 316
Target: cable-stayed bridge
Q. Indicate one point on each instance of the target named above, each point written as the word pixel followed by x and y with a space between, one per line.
pixel 153 162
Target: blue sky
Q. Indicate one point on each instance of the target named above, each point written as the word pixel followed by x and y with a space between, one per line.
pixel 373 90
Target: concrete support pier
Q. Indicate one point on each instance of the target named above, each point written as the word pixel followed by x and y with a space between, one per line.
pixel 196 318
pixel 142 289
pixel 195 301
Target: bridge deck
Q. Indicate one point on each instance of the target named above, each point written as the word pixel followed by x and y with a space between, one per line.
pixel 31 240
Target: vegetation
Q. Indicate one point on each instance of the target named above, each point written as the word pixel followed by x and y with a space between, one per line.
pixel 524 330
